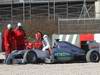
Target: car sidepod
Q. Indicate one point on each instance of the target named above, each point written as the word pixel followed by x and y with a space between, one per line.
pixel 62 56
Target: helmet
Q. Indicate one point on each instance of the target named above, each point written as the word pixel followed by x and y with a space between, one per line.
pixel 9 26
pixel 19 24
pixel 45 36
pixel 38 36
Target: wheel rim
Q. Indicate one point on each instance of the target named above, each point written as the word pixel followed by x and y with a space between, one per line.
pixel 94 57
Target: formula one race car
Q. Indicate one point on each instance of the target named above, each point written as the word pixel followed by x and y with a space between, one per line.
pixel 64 52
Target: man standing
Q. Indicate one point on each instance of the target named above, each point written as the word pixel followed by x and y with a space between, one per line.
pixel 8 38
pixel 20 37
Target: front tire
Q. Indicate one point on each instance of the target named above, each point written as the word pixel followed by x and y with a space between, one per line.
pixel 30 57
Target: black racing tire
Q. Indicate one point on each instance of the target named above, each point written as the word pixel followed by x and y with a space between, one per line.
pixel 92 56
pixel 30 57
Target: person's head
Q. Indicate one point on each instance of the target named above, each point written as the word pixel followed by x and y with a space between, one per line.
pixel 38 35
pixel 9 27
pixel 19 25
pixel 45 36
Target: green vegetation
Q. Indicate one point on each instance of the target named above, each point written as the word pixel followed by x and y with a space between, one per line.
pixel 1 27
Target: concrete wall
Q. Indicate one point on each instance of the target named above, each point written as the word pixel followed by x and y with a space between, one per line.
pixel 71 38
pixel 97 9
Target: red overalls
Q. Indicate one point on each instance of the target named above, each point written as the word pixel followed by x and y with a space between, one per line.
pixel 8 41
pixel 20 39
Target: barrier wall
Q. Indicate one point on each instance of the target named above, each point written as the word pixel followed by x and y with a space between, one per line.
pixel 76 38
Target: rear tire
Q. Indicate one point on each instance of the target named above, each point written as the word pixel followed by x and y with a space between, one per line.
pixel 92 56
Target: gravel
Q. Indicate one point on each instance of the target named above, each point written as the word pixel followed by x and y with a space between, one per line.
pixel 51 69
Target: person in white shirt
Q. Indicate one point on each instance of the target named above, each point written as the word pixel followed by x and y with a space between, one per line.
pixel 46 44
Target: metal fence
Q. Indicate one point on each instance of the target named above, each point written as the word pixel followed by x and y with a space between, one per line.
pixel 79 25
pixel 14 10
pixel 73 16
